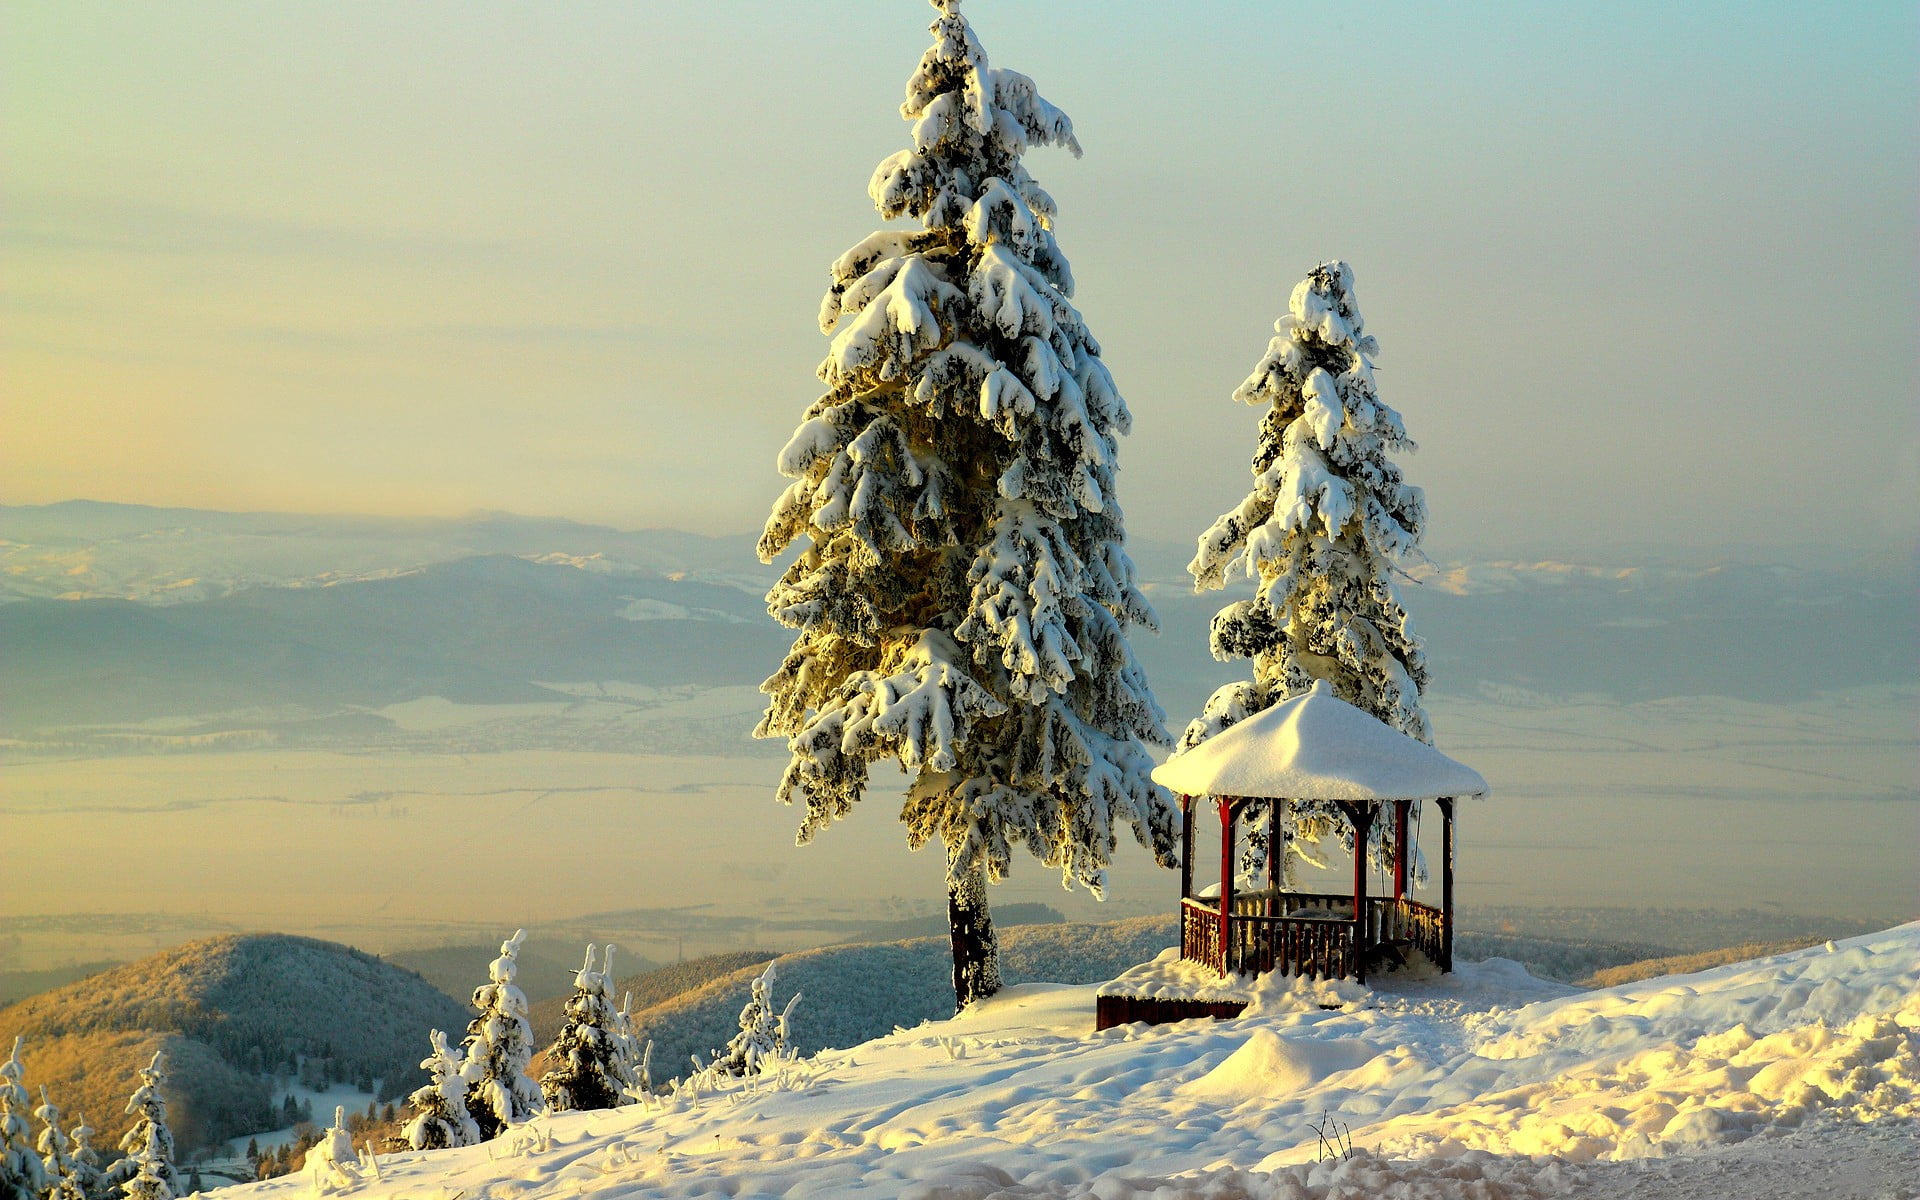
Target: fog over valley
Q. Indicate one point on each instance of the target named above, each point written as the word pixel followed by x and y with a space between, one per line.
pixel 323 725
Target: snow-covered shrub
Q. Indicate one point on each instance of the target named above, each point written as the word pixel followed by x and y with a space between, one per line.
pixel 332 1164
pixel 592 1055
pixel 1323 530
pixel 440 1116
pixel 962 590
pixel 638 1061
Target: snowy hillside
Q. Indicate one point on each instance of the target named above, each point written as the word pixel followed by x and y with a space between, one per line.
pixel 234 1014
pixel 850 994
pixel 1791 1076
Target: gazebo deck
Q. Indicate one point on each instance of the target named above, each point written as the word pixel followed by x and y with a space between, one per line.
pixel 1310 934
pixel 1316 747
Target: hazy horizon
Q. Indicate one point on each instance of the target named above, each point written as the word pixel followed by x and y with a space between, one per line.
pixel 567 260
pixel 1591 550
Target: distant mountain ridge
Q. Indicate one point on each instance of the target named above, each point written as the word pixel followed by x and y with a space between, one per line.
pixel 230 1012
pixel 478 630
pixel 85 549
pixel 308 625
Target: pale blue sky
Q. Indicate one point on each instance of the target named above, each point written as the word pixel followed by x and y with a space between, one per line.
pixel 1639 275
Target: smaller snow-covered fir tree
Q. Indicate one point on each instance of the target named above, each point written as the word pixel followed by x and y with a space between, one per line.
pixel 1323 530
pixel 21 1177
pixel 440 1117
pixel 763 1041
pixel 149 1144
pixel 499 1047
pixel 56 1155
pixel 591 1058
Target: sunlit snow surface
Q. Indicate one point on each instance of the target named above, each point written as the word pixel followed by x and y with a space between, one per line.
pixel 1488 1083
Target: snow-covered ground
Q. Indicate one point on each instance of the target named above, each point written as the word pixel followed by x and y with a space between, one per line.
pixel 323 1102
pixel 1797 1075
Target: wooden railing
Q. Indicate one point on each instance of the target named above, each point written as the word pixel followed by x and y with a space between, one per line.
pixel 1306 934
pixel 1200 934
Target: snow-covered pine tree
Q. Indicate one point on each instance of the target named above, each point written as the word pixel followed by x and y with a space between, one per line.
pixel 86 1160
pixel 153 1176
pixel 59 1180
pixel 1326 524
pixel 149 1144
pixel 498 1047
pixel 763 1037
pixel 440 1116
pixel 590 1055
pixel 963 593
pixel 21 1177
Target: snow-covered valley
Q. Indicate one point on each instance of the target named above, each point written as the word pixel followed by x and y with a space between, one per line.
pixel 1793 1075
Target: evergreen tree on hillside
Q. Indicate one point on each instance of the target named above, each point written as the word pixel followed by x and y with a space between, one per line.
pixel 21 1177
pixel 149 1143
pixel 764 1034
pixel 440 1117
pixel 498 1048
pixel 60 1180
pixel 590 1055
pixel 1323 530
pixel 85 1160
pixel 962 590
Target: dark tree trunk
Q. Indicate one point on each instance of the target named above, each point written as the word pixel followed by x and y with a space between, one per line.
pixel 976 953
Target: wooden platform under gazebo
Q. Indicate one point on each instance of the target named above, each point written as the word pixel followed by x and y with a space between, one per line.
pixel 1314 746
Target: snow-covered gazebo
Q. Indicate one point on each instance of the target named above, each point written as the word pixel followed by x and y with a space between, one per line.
pixel 1314 746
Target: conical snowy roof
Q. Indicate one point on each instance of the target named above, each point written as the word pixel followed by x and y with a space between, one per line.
pixel 1316 746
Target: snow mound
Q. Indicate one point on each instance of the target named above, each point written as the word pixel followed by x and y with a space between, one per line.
pixel 1267 1064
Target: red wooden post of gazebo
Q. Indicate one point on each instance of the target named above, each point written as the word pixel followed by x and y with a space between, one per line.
pixel 1311 747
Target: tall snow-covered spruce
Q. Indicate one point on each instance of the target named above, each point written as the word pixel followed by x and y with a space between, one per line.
pixel 498 1049
pixel 962 590
pixel 1326 523
pixel 147 1172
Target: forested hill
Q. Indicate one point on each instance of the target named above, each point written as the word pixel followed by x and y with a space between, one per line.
pixel 231 1012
